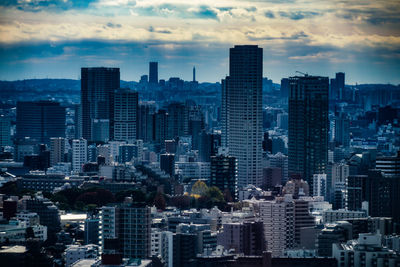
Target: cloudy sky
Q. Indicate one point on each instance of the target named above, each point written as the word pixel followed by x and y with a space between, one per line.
pixel 54 38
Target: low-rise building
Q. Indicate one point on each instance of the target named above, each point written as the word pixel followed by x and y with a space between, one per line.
pixel 366 251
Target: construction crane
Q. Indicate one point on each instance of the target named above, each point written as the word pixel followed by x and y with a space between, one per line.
pixel 305 74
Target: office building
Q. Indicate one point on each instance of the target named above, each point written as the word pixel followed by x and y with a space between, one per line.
pixel 153 72
pixel 97 88
pixel 367 251
pixel 244 237
pixel 79 154
pixel 100 130
pixel 48 214
pixel 389 166
pixel 57 150
pixel 272 177
pixel 242 112
pixel 78 120
pixel 176 120
pixel 285 88
pixel 160 126
pixel 331 216
pixel 337 86
pixel 145 128
pixel 5 131
pixel 205 146
pixel 319 182
pixel 308 126
pixel 224 174
pixel 91 231
pixel 331 234
pixel 342 130
pixel 279 160
pixel 184 249
pixel 125 115
pixel 382 194
pixel 40 120
pixel 126 229
pixel 302 218
pixel 354 191
pixel 167 163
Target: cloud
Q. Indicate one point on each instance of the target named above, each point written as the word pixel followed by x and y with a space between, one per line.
pixel 298 15
pixel 372 15
pixel 255 36
pixel 299 32
pixel 39 5
pixel 205 12
pixel 164 31
pixel 113 25
pixel 269 14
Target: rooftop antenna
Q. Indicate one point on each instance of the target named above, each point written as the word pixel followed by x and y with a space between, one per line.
pixel 305 74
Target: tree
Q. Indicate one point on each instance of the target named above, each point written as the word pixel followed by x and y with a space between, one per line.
pixel 137 195
pixel 228 195
pixel 159 201
pixel 199 188
pixel 215 194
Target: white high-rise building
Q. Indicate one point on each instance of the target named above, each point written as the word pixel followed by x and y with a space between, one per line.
pixel 79 154
pixel 242 112
pixel 278 220
pixel 319 189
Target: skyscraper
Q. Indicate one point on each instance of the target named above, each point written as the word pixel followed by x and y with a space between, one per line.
pixel 160 126
pixel 340 84
pixel 176 120
pixel 342 130
pixel 125 114
pixel 242 112
pixel 308 126
pixel 97 88
pixel 40 120
pixel 146 112
pixel 5 135
pixel 223 174
pixel 153 72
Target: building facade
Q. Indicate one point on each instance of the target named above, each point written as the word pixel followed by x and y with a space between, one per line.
pixel 242 112
pixel 308 126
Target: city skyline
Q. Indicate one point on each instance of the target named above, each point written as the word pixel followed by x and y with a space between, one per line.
pixel 55 38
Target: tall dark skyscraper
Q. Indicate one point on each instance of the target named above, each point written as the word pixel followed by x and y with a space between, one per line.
pixel 176 120
pixel 308 126
pixel 337 86
pixel 97 88
pixel 284 87
pixel 242 112
pixel 40 120
pixel 125 114
pixel 153 72
pixel 160 126
pixel 223 174
pixel 146 121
